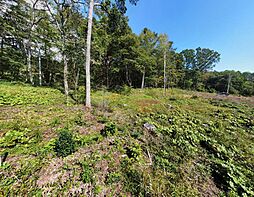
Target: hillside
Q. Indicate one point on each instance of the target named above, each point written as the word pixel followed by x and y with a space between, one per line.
pixel 132 143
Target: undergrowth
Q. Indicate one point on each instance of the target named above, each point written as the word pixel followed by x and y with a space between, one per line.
pixel 196 147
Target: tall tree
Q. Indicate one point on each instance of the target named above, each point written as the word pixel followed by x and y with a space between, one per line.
pixel 13 32
pixel 198 61
pixel 164 46
pixel 148 41
pixel 121 6
pixel 88 53
pixel 61 13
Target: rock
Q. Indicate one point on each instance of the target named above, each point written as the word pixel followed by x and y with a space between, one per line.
pixel 205 125
pixel 149 127
pixel 170 106
pixel 170 120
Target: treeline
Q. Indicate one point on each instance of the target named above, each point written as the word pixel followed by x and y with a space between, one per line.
pixel 43 42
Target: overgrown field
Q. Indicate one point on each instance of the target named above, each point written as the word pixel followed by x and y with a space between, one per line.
pixel 132 143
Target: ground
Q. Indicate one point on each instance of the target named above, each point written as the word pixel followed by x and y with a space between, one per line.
pixel 202 144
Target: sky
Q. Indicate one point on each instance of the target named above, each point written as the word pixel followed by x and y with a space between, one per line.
pixel 226 26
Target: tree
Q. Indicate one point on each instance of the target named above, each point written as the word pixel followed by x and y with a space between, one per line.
pixel 13 32
pixel 63 15
pixel 148 41
pixel 120 4
pixel 164 46
pixel 198 61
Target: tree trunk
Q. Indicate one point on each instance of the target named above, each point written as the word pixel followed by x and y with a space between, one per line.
pixel 66 88
pixel 2 44
pixel 88 54
pixel 40 75
pixel 143 79
pixel 165 79
pixel 229 81
pixel 29 66
pixel 76 84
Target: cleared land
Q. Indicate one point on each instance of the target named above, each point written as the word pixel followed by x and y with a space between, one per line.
pixel 202 144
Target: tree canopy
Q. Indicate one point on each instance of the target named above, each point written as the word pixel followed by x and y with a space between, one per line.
pixel 43 43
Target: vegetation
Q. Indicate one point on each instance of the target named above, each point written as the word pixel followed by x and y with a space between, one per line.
pixel 200 146
pixel 159 140
pixel 43 43
pixel 64 145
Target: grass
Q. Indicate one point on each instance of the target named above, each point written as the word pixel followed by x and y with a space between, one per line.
pixel 201 146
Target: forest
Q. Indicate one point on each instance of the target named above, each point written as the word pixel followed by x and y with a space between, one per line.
pixel 44 43
pixel 90 108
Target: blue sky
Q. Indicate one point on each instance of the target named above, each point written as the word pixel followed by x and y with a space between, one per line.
pixel 226 26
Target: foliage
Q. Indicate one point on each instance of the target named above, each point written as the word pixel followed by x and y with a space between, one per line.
pixel 13 137
pixel 87 173
pixel 28 95
pixel 133 181
pixel 65 144
pixel 109 129
pixel 200 145
pixel 134 151
pixel 87 139
pixel 113 177
pixel 52 33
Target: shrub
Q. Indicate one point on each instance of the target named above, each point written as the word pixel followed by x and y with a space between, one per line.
pixel 109 130
pixel 64 145
pixel 134 151
pixel 124 90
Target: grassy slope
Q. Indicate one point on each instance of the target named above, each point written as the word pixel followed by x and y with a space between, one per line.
pixel 201 147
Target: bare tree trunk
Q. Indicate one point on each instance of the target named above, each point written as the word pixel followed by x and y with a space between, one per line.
pixel 165 79
pixel 29 66
pixel 2 44
pixel 40 75
pixel 143 79
pixel 66 87
pixel 76 84
pixel 229 81
pixel 88 54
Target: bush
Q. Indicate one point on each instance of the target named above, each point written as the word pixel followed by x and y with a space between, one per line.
pixel 124 90
pixel 109 130
pixel 134 151
pixel 64 145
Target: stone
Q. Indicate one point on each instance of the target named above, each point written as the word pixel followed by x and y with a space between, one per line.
pixel 149 127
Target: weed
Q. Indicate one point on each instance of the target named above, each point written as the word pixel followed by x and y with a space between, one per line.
pixel 56 121
pixel 113 177
pixel 79 119
pixel 87 174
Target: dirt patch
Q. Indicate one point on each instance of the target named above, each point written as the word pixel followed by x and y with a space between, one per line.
pixel 97 127
pixel 208 189
pixel 146 105
pixel 51 173
pixel 233 98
